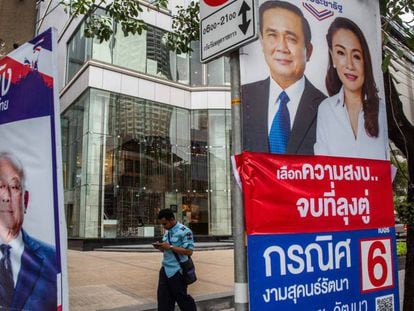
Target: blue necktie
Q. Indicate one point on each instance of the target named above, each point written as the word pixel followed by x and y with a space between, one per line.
pixel 6 277
pixel 280 130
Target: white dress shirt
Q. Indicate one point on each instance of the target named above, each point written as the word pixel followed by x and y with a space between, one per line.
pixel 335 137
pixel 16 252
pixel 294 92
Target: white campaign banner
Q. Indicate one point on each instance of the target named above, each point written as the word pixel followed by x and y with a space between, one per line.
pixel 326 56
pixel 33 236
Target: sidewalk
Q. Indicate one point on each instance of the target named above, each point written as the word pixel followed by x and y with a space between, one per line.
pixel 128 281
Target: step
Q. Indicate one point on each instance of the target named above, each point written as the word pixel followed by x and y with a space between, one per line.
pixel 201 246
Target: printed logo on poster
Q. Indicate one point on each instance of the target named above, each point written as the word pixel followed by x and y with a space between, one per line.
pixel 27 71
pixel 321 9
pixel 5 77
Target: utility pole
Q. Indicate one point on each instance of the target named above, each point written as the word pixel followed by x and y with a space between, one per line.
pixel 240 266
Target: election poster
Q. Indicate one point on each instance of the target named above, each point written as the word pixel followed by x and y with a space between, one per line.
pixel 32 225
pixel 316 175
pixel 312 82
pixel 320 232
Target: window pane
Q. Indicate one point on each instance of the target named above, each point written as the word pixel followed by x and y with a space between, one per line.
pixel 74 120
pixel 199 143
pixel 183 68
pixel 227 78
pixel 78 52
pixel 130 52
pixel 102 50
pixel 215 72
pixel 196 74
pixel 158 56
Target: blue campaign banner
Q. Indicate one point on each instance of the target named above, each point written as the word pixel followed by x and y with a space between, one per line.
pixel 350 270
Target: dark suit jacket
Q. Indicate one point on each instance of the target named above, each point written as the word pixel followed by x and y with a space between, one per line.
pixel 255 98
pixel 36 283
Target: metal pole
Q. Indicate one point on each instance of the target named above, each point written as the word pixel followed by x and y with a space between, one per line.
pixel 240 272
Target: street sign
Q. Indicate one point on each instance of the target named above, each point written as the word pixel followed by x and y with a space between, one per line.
pixel 225 26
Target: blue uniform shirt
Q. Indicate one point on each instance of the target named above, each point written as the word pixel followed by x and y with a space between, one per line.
pixel 180 236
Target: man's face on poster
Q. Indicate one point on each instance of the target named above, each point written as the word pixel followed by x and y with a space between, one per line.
pixel 284 47
pixel 11 198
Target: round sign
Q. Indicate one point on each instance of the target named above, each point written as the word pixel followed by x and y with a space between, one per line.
pixel 215 2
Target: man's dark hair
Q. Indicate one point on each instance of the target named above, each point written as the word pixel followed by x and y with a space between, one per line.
pixel 276 4
pixel 166 213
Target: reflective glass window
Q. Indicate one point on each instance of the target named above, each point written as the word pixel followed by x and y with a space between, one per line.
pixel 158 56
pixel 130 52
pixel 215 72
pixel 78 52
pixel 196 69
pixel 126 158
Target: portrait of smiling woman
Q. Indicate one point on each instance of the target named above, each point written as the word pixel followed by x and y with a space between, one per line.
pixel 352 121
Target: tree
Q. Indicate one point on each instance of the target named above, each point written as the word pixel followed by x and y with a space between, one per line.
pixel 398 44
pixel 100 17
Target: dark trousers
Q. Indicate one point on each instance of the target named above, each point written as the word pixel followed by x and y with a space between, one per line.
pixel 172 290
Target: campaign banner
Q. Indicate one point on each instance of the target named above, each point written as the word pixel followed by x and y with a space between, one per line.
pixel 32 225
pixel 349 270
pixel 289 194
pixel 312 83
pixel 320 232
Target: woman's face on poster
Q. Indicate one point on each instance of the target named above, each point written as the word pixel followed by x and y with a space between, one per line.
pixel 347 57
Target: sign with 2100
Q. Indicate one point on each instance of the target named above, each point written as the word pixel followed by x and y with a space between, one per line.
pixel 221 22
pixel 225 25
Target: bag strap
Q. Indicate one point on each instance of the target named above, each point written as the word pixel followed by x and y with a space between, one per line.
pixel 175 254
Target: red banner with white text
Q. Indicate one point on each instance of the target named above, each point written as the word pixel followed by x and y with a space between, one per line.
pixel 292 194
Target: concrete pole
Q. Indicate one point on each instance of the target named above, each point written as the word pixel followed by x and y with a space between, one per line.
pixel 240 271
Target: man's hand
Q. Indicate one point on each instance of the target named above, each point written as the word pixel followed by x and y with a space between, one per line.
pixel 163 245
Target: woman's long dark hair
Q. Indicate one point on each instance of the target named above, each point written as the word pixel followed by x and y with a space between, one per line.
pixel 369 94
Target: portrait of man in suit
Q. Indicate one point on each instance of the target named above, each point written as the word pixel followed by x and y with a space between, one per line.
pixel 28 266
pixel 279 112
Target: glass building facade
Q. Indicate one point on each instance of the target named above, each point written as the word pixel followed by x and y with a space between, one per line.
pixel 146 53
pixel 125 158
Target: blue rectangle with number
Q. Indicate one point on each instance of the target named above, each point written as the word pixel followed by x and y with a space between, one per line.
pixel 352 270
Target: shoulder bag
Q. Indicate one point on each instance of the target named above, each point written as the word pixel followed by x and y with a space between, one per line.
pixel 187 267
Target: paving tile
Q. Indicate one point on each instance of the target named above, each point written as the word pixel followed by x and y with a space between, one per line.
pixel 111 280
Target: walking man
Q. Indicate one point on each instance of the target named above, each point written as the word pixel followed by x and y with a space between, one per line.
pixel 172 286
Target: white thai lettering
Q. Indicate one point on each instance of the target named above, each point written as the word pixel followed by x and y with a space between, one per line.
pixel 323 253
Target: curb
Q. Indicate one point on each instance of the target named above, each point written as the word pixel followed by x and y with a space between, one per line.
pixel 214 302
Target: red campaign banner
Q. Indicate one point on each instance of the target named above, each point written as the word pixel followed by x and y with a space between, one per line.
pixel 302 194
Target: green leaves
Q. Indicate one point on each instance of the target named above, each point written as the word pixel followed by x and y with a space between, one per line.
pixel 98 26
pixel 386 61
pixel 125 13
pixel 397 32
pixel 101 26
pixel 185 26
